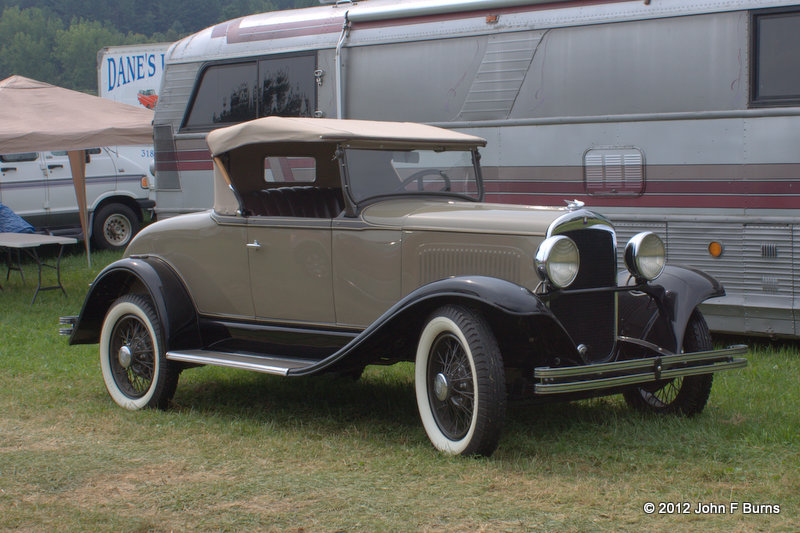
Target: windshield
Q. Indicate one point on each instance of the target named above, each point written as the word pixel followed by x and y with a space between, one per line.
pixel 373 173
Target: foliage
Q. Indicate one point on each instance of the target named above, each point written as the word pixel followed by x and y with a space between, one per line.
pixel 56 41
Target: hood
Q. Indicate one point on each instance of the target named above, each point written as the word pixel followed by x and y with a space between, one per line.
pixel 468 217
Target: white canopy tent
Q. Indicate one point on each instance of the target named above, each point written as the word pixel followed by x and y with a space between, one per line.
pixel 36 116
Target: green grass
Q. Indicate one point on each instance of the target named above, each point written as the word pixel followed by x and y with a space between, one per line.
pixel 243 451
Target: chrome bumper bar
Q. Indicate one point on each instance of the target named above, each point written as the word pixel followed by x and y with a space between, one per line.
pixel 636 371
pixel 69 322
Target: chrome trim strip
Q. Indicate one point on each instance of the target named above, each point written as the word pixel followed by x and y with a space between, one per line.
pixel 633 117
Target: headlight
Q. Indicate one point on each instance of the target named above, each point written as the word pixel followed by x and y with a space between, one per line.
pixel 557 261
pixel 645 256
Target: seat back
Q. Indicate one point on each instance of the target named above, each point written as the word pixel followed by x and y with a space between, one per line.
pixel 308 202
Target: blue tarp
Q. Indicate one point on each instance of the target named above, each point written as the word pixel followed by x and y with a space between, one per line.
pixel 10 222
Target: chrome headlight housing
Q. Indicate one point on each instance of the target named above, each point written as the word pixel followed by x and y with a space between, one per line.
pixel 557 261
pixel 645 256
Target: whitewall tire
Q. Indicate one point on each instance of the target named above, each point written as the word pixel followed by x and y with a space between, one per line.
pixel 460 382
pixel 132 357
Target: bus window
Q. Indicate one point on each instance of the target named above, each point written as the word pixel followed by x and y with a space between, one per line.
pixel 287 86
pixel 235 92
pixel 226 95
pixel 776 58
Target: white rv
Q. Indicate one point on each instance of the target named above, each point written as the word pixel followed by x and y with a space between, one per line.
pixel 677 116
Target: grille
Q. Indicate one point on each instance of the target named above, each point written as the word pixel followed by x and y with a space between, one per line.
pixel 439 262
pixel 591 319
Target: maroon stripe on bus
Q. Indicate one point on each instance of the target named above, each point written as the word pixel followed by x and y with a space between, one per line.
pixel 664 202
pixel 652 187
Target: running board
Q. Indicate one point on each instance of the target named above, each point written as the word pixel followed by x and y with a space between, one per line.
pixel 258 363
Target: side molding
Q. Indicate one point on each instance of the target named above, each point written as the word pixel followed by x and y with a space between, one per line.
pixel 144 275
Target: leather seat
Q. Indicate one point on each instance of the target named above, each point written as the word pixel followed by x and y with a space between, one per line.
pixel 307 202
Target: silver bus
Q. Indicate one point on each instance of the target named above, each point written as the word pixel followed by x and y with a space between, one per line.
pixel 677 116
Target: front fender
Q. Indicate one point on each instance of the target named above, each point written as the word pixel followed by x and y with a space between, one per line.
pixel 678 292
pixel 143 275
pixel 517 316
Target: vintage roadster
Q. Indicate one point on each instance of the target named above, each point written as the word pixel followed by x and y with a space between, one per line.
pixel 336 244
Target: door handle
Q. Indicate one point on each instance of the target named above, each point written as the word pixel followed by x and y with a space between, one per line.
pixel 51 167
pixel 7 169
pixel 255 245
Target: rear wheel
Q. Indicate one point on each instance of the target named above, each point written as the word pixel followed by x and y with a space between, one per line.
pixel 687 395
pixel 132 357
pixel 460 382
pixel 114 226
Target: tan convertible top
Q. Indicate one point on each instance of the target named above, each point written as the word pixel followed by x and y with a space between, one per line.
pixel 361 132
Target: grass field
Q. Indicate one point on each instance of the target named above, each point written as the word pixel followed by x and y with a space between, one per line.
pixel 247 452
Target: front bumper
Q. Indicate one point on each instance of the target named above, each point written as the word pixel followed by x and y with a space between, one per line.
pixel 636 371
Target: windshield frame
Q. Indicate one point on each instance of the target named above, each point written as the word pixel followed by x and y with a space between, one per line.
pixel 360 203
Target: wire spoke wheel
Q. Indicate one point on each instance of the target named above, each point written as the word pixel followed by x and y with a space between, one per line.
pixel 135 369
pixel 135 362
pixel 686 395
pixel 450 390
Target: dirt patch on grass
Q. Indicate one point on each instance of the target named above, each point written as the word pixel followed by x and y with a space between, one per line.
pixel 133 488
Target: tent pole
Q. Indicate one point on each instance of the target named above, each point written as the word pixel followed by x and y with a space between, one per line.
pixel 77 164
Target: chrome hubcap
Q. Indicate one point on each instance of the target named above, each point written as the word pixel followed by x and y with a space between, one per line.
pixel 124 356
pixel 441 389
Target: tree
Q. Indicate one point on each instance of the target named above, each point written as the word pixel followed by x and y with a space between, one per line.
pixel 37 41
pixel 27 38
pixel 77 46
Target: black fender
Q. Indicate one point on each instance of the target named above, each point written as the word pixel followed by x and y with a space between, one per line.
pixel 141 275
pixel 517 316
pixel 676 294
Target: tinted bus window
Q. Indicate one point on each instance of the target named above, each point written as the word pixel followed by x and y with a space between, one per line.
pixel 776 54
pixel 287 86
pixel 232 93
pixel 226 95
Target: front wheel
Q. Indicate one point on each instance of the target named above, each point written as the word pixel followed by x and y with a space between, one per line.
pixel 460 382
pixel 132 357
pixel 114 226
pixel 686 395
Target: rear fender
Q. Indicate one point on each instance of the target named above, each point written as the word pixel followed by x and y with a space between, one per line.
pixel 143 275
pixel 661 315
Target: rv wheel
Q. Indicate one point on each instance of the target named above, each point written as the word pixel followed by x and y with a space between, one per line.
pixel 114 226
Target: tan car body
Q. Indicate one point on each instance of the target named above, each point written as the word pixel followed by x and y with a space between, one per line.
pixel 343 271
pixel 335 244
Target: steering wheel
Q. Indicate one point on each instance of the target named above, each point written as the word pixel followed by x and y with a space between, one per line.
pixel 419 174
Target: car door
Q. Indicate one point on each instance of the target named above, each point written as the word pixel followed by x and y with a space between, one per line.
pixel 290 269
pixel 23 186
pixel 289 245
